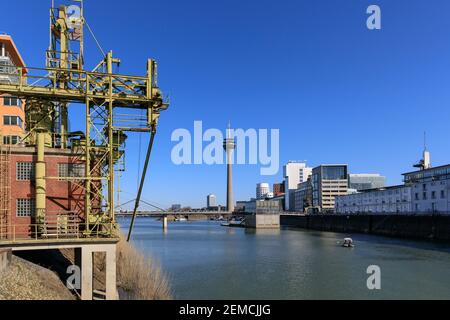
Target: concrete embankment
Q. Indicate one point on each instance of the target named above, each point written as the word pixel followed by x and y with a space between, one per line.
pixel 23 280
pixel 431 227
pixel 42 275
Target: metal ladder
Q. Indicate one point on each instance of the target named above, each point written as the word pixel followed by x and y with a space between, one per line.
pixel 5 191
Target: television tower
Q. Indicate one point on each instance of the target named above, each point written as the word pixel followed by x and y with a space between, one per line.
pixel 229 145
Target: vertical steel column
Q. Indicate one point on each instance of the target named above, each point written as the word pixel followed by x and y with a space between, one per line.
pixel 87 204
pixel 40 178
pixel 110 140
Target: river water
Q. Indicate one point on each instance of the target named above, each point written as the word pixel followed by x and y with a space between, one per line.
pixel 204 260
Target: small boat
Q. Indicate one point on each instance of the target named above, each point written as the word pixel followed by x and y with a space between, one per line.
pixel 233 223
pixel 180 219
pixel 348 243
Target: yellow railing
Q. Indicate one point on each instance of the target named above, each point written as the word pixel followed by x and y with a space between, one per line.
pixel 83 81
pixel 55 231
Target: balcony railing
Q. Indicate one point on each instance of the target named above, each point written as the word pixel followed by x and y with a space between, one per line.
pixel 51 232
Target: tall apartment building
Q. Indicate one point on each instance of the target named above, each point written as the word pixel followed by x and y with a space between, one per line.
pixel 12 109
pixel 211 201
pixel 294 172
pixel 328 182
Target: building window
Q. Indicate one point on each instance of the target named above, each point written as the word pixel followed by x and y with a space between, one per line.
pixel 25 207
pixel 12 101
pixel 433 194
pixel 11 139
pixel 424 196
pixel 442 194
pixel 424 187
pixel 71 170
pixel 12 121
pixel 25 171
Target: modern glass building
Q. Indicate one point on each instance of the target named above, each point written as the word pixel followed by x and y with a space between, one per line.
pixel 364 181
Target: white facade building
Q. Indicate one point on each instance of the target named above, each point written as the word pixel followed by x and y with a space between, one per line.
pixel 294 172
pixel 262 190
pixel 395 199
pixel 430 189
pixel 426 191
pixel 211 201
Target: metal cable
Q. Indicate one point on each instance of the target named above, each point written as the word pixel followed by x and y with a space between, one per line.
pixel 95 38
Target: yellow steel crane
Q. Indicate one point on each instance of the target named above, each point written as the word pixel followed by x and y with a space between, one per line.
pixel 110 102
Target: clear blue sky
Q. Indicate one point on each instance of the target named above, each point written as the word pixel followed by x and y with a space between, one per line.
pixel 338 92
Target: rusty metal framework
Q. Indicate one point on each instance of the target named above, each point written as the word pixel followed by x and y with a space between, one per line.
pixel 109 101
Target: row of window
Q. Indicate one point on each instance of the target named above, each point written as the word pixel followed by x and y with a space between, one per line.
pixel 11 139
pixel 390 201
pixel 12 101
pixel 12 121
pixel 433 195
pixel 25 171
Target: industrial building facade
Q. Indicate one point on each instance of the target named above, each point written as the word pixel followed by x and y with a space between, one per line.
pixel 424 191
pixel 57 188
pixel 430 189
pixel 395 199
pixel 64 207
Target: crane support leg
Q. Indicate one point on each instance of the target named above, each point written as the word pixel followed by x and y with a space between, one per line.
pixel 141 185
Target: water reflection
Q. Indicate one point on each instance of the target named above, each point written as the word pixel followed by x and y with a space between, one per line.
pixel 208 261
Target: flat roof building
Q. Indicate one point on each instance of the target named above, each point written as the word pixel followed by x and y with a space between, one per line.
pixel 430 189
pixel 294 172
pixel 328 182
pixel 211 201
pixel 394 199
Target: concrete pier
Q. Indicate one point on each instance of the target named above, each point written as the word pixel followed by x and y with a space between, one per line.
pixel 84 259
pixel 5 258
pixel 263 221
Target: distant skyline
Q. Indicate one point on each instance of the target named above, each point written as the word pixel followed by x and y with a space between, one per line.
pixel 338 92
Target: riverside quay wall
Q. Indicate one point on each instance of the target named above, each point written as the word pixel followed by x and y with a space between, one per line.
pixel 430 227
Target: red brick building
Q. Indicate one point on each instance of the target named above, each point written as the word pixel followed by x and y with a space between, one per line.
pixel 64 199
pixel 278 189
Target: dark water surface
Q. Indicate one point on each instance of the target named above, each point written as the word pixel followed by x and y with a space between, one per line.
pixel 207 261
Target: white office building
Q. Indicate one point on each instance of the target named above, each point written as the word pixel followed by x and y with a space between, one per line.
pixel 294 172
pixel 211 201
